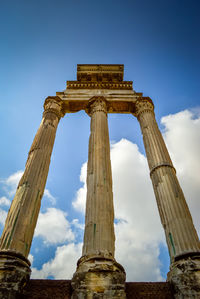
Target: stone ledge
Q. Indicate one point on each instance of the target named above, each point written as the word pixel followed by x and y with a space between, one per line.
pixel 61 289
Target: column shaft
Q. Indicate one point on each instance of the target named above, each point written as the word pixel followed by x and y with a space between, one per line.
pixel 99 235
pixel 22 216
pixel 98 275
pixel 175 216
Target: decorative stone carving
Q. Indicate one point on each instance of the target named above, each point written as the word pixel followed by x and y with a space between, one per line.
pixel 54 105
pixel 125 85
pixel 142 105
pixel 96 104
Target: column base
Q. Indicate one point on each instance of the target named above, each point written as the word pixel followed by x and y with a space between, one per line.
pixel 14 274
pixel 98 277
pixel 184 275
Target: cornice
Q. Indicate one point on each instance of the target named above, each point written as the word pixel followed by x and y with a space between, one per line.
pixel 125 85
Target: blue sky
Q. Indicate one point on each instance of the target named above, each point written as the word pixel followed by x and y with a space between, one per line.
pixel 41 44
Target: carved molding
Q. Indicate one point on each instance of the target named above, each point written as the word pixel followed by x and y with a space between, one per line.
pixel 143 105
pixel 54 105
pixel 162 164
pixel 99 85
pixel 96 104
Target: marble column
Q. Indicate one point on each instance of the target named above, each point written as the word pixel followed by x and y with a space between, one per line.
pixel 22 217
pixel 181 236
pixel 98 275
pixel 99 234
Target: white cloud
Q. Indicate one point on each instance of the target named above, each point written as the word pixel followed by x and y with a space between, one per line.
pixel 31 258
pixel 139 257
pixel 139 232
pixel 54 227
pixel 63 265
pixel 76 224
pixel 80 200
pixel 3 215
pixel 4 201
pixel 10 184
pixel 48 194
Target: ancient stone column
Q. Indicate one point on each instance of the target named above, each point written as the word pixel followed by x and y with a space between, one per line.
pixel 182 240
pixel 22 217
pixel 99 234
pixel 98 275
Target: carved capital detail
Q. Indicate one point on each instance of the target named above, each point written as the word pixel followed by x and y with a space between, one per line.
pixel 143 105
pixel 54 105
pixel 96 104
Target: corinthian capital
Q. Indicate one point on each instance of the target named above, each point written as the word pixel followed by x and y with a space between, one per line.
pixel 143 105
pixel 96 104
pixel 54 105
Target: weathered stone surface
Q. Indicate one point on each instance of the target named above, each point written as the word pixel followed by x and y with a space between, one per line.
pixel 14 274
pixel 100 73
pixel 181 235
pixel 98 275
pixel 184 275
pixel 179 229
pixel 99 234
pixel 99 80
pixel 22 217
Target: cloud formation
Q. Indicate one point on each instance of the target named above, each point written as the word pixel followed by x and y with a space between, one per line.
pixel 63 265
pixel 54 227
pixel 138 230
pixel 10 183
pixel 139 233
pixel 4 201
pixel 3 215
pixel 80 199
pixel 48 194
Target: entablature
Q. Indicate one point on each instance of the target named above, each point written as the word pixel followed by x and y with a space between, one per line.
pixel 127 105
pixel 99 80
pixel 118 101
